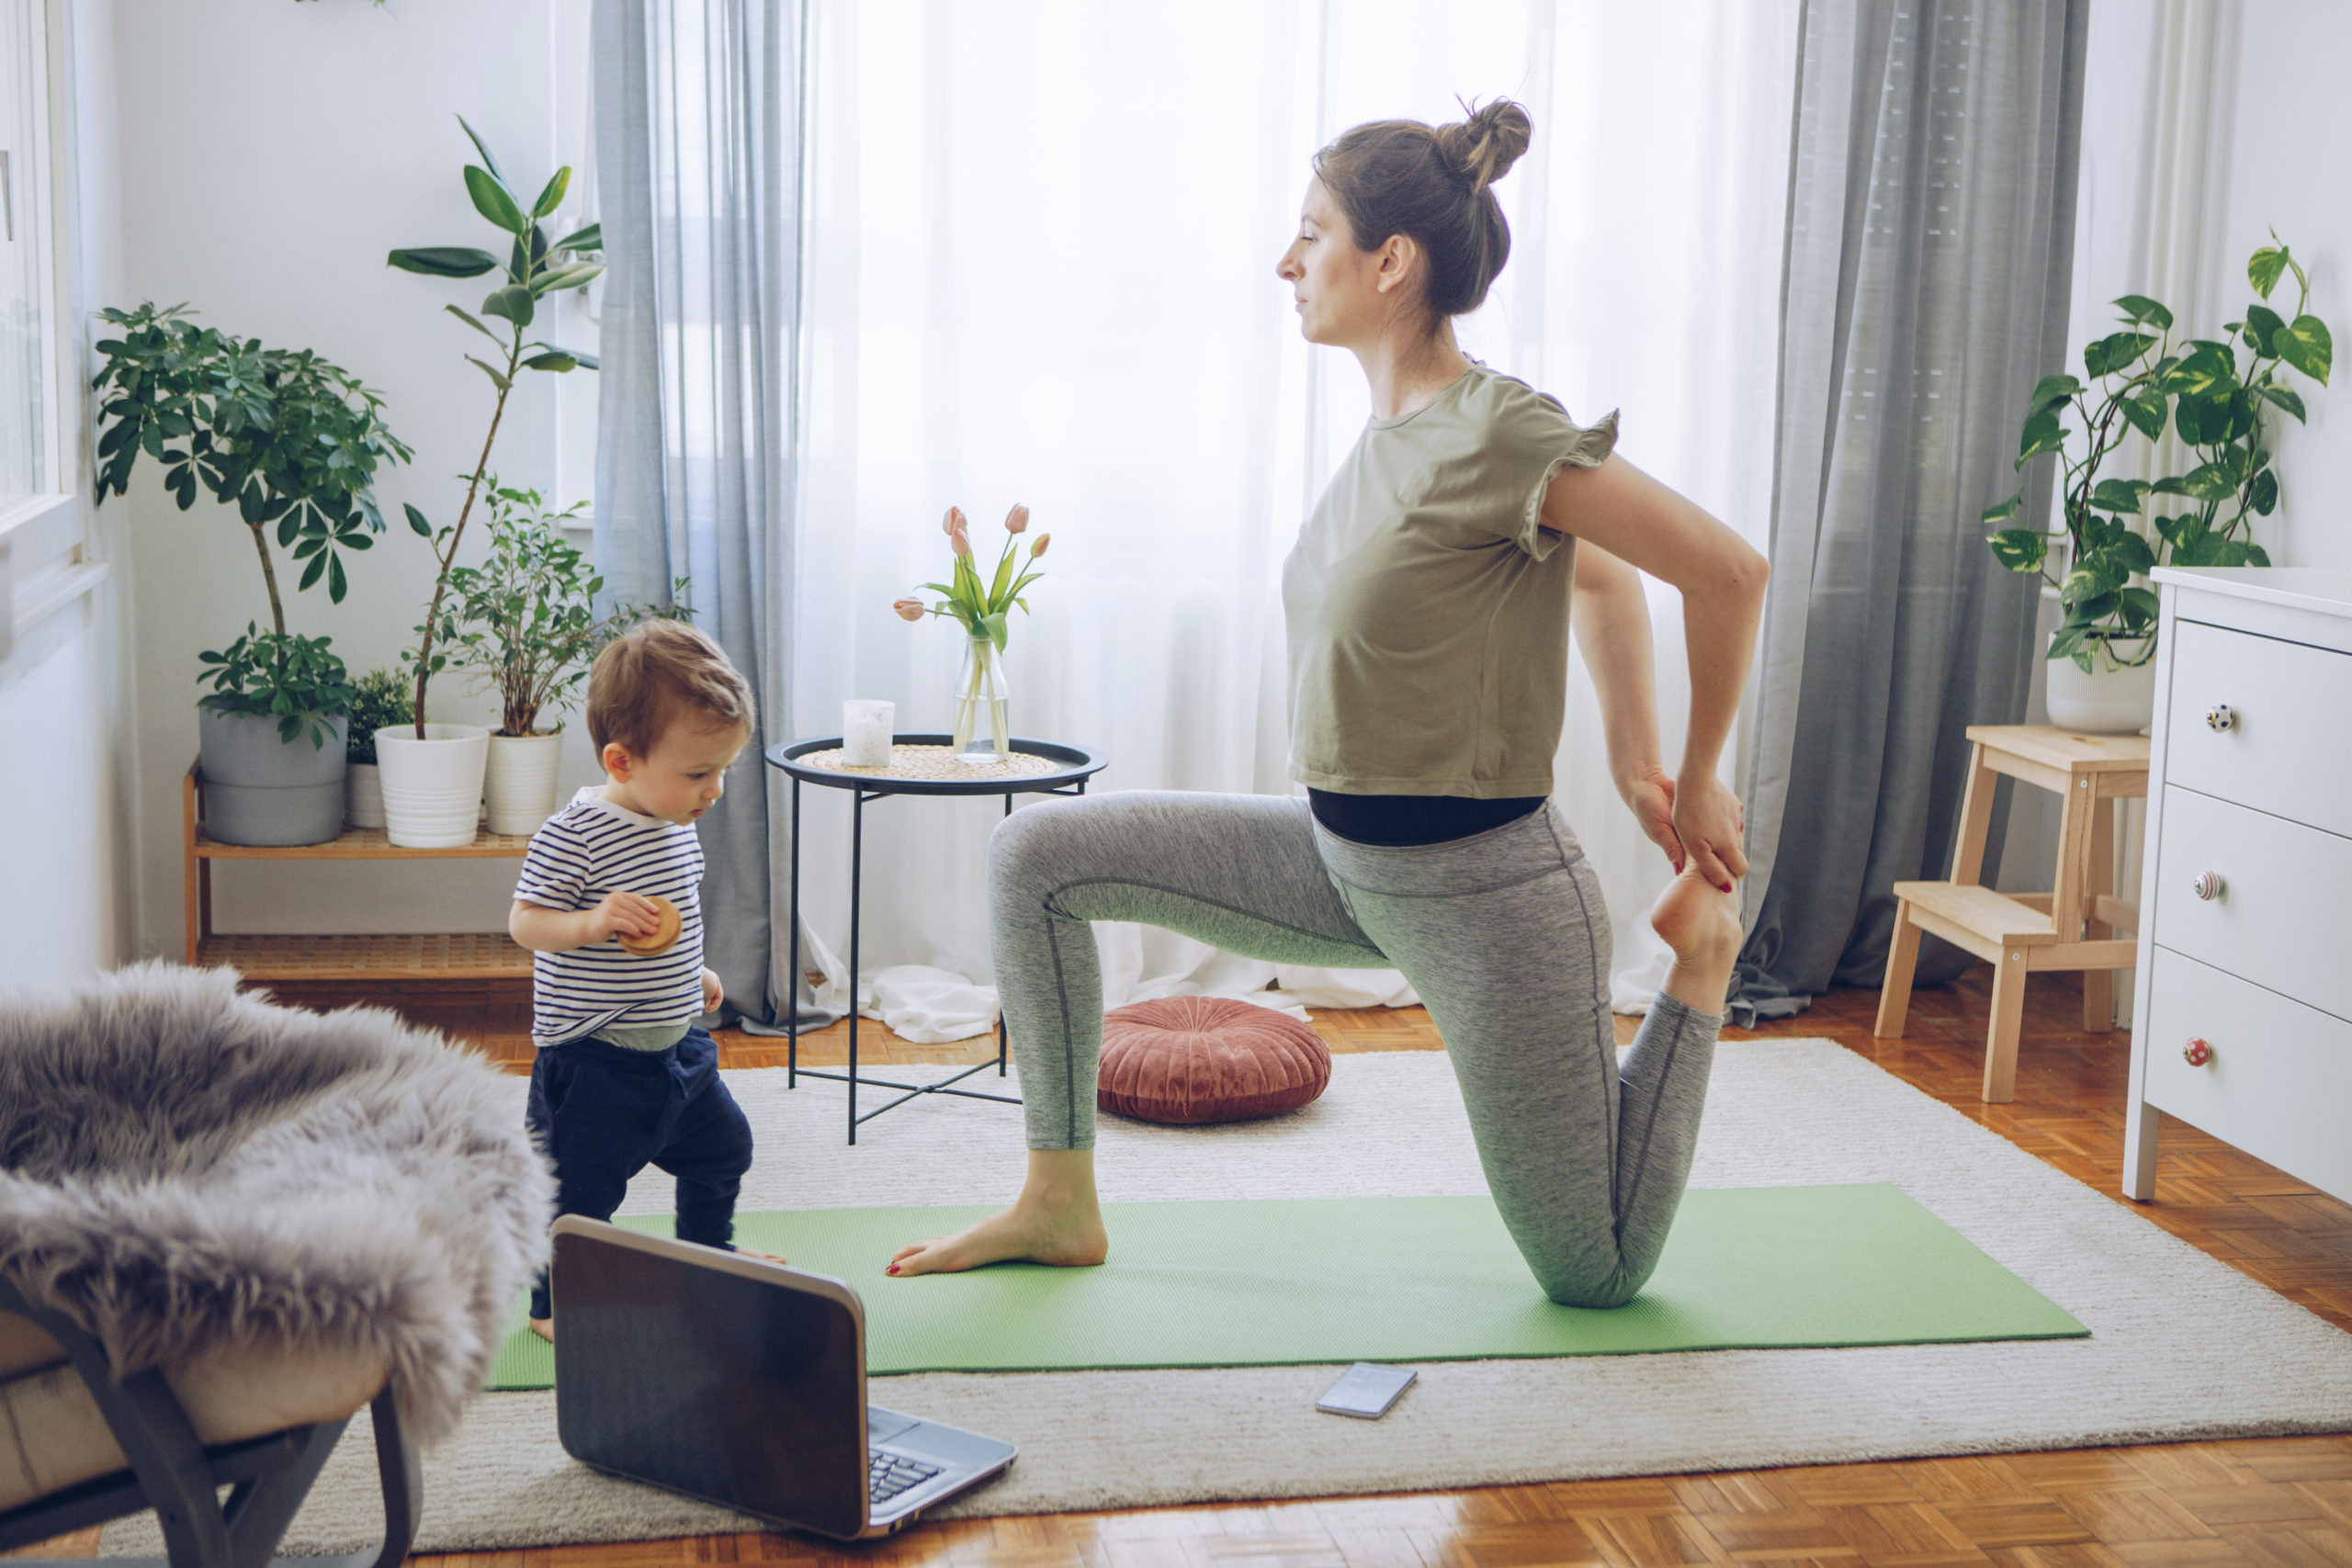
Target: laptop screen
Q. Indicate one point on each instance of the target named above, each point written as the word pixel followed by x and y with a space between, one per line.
pixel 742 1390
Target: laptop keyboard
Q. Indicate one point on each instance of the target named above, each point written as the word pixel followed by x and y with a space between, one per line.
pixel 888 1474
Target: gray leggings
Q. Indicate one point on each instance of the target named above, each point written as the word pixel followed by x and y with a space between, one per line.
pixel 1502 934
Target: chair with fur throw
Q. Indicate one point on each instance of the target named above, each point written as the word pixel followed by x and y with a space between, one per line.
pixel 227 1226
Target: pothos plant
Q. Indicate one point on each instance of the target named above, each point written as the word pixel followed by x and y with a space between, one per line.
pixel 292 441
pixel 524 621
pixel 2140 379
pixel 534 268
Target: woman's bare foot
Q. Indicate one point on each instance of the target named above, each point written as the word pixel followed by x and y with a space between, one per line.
pixel 1056 1220
pixel 544 1328
pixel 1700 923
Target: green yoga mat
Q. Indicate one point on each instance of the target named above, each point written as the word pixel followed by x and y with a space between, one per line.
pixel 1229 1284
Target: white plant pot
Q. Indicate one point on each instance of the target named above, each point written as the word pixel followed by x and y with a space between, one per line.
pixel 2108 700
pixel 520 786
pixel 433 786
pixel 363 795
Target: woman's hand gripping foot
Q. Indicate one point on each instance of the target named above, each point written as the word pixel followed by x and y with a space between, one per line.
pixel 1056 1220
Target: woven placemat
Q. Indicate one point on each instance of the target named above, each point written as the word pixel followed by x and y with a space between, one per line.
pixel 939 762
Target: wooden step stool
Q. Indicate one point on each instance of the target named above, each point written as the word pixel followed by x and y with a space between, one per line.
pixel 2073 927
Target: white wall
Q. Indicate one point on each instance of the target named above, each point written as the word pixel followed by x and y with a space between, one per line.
pixel 2290 148
pixel 2276 152
pixel 63 915
pixel 270 155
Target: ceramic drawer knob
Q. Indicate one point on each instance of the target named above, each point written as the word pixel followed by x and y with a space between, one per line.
pixel 2221 716
pixel 2208 884
pixel 2196 1052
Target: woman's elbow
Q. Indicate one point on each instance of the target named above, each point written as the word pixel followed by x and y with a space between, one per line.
pixel 1751 572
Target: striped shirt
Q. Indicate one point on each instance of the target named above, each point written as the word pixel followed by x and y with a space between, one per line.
pixel 587 850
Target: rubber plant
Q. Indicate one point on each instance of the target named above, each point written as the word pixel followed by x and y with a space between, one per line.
pixel 2218 394
pixel 532 269
pixel 292 441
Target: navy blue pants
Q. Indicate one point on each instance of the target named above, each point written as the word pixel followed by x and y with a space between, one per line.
pixel 604 1113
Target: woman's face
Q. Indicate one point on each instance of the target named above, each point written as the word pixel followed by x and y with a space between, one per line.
pixel 1344 294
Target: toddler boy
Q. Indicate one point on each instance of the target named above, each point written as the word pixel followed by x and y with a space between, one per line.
pixel 625 1078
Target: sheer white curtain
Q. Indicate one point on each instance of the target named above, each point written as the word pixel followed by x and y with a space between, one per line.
pixel 1039 267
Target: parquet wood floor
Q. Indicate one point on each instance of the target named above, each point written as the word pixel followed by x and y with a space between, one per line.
pixel 2271 1503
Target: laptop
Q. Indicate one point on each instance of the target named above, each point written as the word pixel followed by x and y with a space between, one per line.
pixel 742 1383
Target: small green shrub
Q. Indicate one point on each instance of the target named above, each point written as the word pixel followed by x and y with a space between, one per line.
pixel 381 697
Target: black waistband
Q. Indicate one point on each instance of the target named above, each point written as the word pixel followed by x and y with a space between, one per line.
pixel 1404 821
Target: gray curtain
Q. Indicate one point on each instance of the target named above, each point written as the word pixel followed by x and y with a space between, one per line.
pixel 1931 218
pixel 697 115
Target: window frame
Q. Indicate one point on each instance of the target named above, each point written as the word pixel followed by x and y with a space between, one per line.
pixel 47 563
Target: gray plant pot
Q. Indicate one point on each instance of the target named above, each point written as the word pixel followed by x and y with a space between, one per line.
pixel 261 790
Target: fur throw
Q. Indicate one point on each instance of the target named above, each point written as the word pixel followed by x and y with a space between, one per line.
pixel 183 1166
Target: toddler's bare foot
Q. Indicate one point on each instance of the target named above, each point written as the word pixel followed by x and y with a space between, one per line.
pixel 544 1328
pixel 1700 923
pixel 1067 1234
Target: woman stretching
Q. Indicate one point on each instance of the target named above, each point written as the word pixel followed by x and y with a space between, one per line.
pixel 1427 601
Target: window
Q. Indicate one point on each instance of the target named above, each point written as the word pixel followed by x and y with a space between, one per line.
pixel 43 507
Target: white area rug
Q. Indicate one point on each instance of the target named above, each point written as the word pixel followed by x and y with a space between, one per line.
pixel 2182 1347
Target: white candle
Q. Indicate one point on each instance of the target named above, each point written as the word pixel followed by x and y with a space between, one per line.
pixel 865 733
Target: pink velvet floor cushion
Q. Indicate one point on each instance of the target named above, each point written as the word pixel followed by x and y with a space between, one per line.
pixel 1190 1060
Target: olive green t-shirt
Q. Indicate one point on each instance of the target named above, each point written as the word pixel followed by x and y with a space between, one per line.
pixel 1428 611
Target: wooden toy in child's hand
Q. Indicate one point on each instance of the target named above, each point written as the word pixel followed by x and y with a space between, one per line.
pixel 665 935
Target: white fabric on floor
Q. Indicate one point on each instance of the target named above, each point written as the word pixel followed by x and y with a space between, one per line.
pixel 926 1006
pixel 2182 1344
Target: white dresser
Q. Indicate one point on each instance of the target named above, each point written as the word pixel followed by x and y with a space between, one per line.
pixel 2242 1025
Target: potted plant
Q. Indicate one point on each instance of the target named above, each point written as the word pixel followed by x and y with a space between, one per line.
pixel 2102 656
pixel 433 774
pixel 380 698
pixel 293 442
pixel 524 624
pixel 984 613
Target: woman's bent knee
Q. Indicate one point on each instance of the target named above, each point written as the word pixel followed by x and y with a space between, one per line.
pixel 1035 843
pixel 1577 1288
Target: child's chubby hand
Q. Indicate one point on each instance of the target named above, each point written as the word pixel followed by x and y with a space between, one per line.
pixel 623 914
pixel 713 993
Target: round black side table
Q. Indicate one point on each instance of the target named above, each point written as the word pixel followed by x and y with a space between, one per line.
pixel 1074 766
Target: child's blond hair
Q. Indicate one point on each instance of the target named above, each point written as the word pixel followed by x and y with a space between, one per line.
pixel 656 672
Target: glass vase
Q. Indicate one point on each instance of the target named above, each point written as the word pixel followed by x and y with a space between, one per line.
pixel 983 733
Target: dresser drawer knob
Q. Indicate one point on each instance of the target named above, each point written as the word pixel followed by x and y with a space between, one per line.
pixel 2196 1053
pixel 2208 884
pixel 2221 716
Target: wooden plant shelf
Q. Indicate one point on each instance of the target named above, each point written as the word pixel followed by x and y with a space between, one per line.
pixel 365 843
pixel 467 956
pixel 406 957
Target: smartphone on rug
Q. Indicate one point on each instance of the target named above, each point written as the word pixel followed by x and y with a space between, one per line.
pixel 1366 1389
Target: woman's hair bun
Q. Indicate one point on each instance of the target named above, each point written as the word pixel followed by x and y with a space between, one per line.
pixel 1481 149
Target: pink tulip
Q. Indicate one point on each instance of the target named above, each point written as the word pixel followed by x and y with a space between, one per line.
pixel 909 609
pixel 1040 547
pixel 1017 520
pixel 953 523
pixel 962 546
